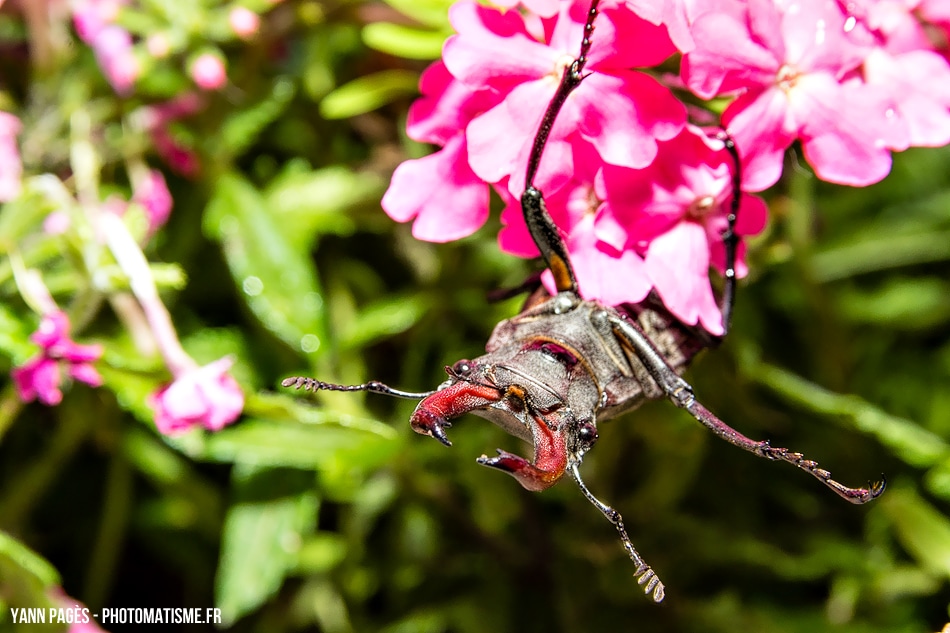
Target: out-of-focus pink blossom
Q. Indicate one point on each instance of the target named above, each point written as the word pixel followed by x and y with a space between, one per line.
pixel 116 56
pixel 42 376
pixel 56 223
pixel 207 71
pixel 90 17
pixel 158 45
pixel 157 119
pixel 200 396
pixel 791 62
pixel 244 22
pixel 11 168
pixel 152 193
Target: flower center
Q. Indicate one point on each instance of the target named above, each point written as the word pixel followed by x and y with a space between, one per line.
pixel 786 77
pixel 564 61
pixel 700 208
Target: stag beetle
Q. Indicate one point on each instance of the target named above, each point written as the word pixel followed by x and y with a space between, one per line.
pixel 562 365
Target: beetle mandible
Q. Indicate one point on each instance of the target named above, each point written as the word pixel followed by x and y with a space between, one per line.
pixel 562 365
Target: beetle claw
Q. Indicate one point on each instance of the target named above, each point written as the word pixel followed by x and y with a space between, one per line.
pixel 425 423
pixel 438 432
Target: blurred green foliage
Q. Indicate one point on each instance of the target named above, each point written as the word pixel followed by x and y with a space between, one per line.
pixel 327 513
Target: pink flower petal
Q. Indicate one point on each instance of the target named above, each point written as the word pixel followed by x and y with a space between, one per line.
pixel 447 200
pixel 678 265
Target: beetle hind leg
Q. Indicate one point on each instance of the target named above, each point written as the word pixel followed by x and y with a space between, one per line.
pixel 644 574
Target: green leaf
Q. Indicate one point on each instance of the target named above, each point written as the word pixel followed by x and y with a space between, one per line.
pixel 434 13
pixel 277 281
pixel 40 196
pixel 321 553
pixel 902 303
pixel 273 511
pixel 368 93
pixel 26 579
pixel 404 41
pixel 384 318
pixel 922 529
pixel 909 441
pixel 273 443
pixel 319 202
pixel 883 252
pixel 243 128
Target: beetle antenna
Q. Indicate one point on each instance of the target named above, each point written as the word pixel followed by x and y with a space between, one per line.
pixel 312 384
pixel 645 576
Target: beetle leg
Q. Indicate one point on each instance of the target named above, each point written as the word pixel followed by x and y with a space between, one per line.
pixel 550 458
pixel 542 228
pixel 729 237
pixel 681 393
pixel 644 574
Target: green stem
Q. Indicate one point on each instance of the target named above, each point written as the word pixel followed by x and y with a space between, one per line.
pixel 112 526
pixel 10 407
pixel 17 502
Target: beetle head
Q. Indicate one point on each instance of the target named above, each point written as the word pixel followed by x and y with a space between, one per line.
pixel 532 389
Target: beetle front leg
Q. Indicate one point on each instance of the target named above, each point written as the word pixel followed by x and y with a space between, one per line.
pixel 681 393
pixel 550 458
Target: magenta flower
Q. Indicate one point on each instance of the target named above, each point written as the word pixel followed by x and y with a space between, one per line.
pixel 421 186
pixel 619 112
pixel 157 119
pixel 152 193
pixel 673 213
pixel 11 168
pixel 42 376
pixel 605 273
pixel 207 396
pixel 790 62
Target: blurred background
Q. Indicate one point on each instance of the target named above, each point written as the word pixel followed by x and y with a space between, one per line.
pixel 327 513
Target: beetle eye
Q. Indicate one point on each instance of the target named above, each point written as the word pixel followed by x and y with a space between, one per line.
pixel 462 367
pixel 587 433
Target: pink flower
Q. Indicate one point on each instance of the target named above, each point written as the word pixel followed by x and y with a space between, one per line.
pixel 11 168
pixel 244 22
pixel 42 375
pixel 207 71
pixel 678 208
pixel 420 187
pixel 604 273
pixel 157 119
pixel 113 48
pixel 790 62
pixel 207 396
pixel 618 111
pixel 91 16
pixel 152 193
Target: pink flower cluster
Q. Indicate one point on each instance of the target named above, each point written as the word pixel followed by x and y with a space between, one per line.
pixel 42 376
pixel 641 195
pixel 200 396
pixel 95 22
